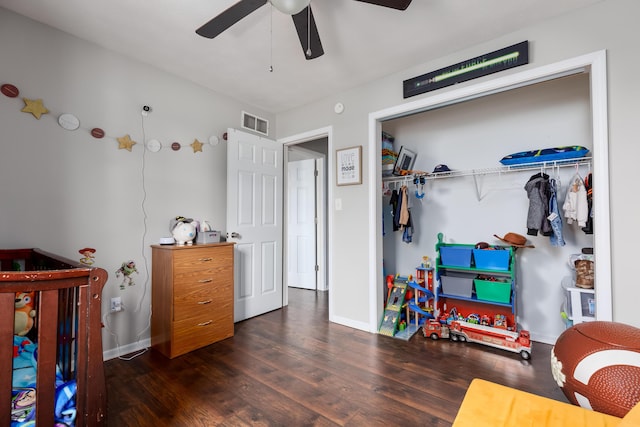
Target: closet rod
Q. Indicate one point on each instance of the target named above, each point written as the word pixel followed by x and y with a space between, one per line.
pixel 496 170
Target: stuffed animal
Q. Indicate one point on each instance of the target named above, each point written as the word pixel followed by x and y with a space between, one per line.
pixel 24 313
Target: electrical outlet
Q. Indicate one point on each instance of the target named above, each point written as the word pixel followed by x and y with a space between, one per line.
pixel 116 304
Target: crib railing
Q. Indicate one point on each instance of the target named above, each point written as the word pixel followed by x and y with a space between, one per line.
pixel 68 331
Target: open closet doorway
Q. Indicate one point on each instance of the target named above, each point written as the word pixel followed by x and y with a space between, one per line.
pixel 306 214
pixel 592 64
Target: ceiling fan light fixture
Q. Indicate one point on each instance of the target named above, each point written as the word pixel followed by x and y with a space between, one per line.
pixel 290 7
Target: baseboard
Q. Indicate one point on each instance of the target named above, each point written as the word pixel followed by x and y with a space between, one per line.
pixel 126 349
pixel 363 326
pixel 545 339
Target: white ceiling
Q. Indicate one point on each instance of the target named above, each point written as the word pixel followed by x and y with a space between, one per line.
pixel 362 42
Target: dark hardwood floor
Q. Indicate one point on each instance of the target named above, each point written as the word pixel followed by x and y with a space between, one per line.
pixel 291 367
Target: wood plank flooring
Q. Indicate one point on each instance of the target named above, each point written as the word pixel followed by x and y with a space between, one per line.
pixel 291 367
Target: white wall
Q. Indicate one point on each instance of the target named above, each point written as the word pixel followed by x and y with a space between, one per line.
pixel 602 26
pixel 476 135
pixel 65 190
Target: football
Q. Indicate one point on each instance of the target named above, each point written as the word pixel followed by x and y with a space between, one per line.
pixel 597 366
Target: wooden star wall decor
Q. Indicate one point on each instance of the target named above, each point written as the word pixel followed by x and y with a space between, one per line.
pixel 125 142
pixel 196 145
pixel 34 107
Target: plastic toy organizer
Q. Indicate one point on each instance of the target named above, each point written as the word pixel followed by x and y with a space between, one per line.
pixel 475 281
pixel 478 274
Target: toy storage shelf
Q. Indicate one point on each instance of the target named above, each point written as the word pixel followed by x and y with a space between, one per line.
pixel 457 285
pixel 474 299
pixel 506 273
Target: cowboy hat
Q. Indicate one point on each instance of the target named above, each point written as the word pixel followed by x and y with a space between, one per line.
pixel 516 240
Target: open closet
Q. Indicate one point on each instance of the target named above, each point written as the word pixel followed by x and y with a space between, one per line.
pixel 480 198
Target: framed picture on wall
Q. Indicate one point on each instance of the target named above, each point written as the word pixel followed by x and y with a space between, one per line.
pixel 404 162
pixel 349 166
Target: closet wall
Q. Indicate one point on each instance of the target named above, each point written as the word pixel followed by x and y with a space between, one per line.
pixel 475 135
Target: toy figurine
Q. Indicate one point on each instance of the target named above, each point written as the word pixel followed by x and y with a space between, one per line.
pixel 87 256
pixel 126 270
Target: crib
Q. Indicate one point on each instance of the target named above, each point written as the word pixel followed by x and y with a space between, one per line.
pixel 67 333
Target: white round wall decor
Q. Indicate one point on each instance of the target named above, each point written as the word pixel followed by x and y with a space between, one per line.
pixel 154 145
pixel 338 108
pixel 214 140
pixel 68 121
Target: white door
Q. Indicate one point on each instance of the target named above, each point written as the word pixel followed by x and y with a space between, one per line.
pixel 301 220
pixel 254 221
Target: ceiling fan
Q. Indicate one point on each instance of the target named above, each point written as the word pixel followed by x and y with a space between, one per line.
pixel 300 11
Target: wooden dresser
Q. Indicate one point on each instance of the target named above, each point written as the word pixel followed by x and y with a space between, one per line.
pixel 192 296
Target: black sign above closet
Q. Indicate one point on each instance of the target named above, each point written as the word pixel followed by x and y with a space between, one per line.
pixel 503 59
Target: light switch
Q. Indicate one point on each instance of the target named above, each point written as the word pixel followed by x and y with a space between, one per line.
pixel 338 203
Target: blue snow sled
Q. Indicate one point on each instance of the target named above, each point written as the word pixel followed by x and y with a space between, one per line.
pixel 545 155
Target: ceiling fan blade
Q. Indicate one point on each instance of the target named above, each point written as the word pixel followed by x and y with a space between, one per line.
pixel 309 40
pixel 229 17
pixel 394 4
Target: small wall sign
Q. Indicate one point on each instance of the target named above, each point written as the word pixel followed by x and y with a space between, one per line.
pixel 349 166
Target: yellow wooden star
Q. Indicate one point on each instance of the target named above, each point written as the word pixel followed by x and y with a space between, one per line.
pixel 125 142
pixel 34 107
pixel 196 145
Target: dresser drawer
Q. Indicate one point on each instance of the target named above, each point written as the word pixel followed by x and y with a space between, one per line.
pixel 194 333
pixel 202 259
pixel 183 282
pixel 201 300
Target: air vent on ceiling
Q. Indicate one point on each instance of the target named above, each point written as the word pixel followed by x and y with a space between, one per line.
pixel 255 123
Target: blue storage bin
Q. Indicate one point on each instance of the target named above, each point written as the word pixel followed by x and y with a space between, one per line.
pixel 455 256
pixel 488 259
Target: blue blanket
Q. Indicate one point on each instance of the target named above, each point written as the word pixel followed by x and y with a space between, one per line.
pixel 23 401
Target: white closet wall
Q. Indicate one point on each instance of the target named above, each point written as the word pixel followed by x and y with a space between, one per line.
pixel 475 135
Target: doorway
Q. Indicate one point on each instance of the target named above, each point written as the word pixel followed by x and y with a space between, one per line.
pixel 305 226
pixel 311 147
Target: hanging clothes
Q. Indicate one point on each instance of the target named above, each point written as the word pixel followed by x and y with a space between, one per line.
pixel 554 216
pixel 403 215
pixel 537 189
pixel 407 234
pixel 394 207
pixel 588 184
pixel 575 204
pixel 404 207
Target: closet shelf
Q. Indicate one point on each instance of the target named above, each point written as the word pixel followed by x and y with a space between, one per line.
pixel 475 173
pixel 538 166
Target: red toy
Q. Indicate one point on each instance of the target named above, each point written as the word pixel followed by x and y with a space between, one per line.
pixel 597 365
pixel 458 329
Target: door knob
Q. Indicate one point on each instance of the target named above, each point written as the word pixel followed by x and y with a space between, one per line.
pixel 234 235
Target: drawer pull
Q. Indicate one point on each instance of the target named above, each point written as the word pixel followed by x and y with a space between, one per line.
pixel 205 302
pixel 208 322
pixel 205 259
pixel 205 280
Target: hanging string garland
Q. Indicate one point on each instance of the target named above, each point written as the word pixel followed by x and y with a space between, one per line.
pixel 70 122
